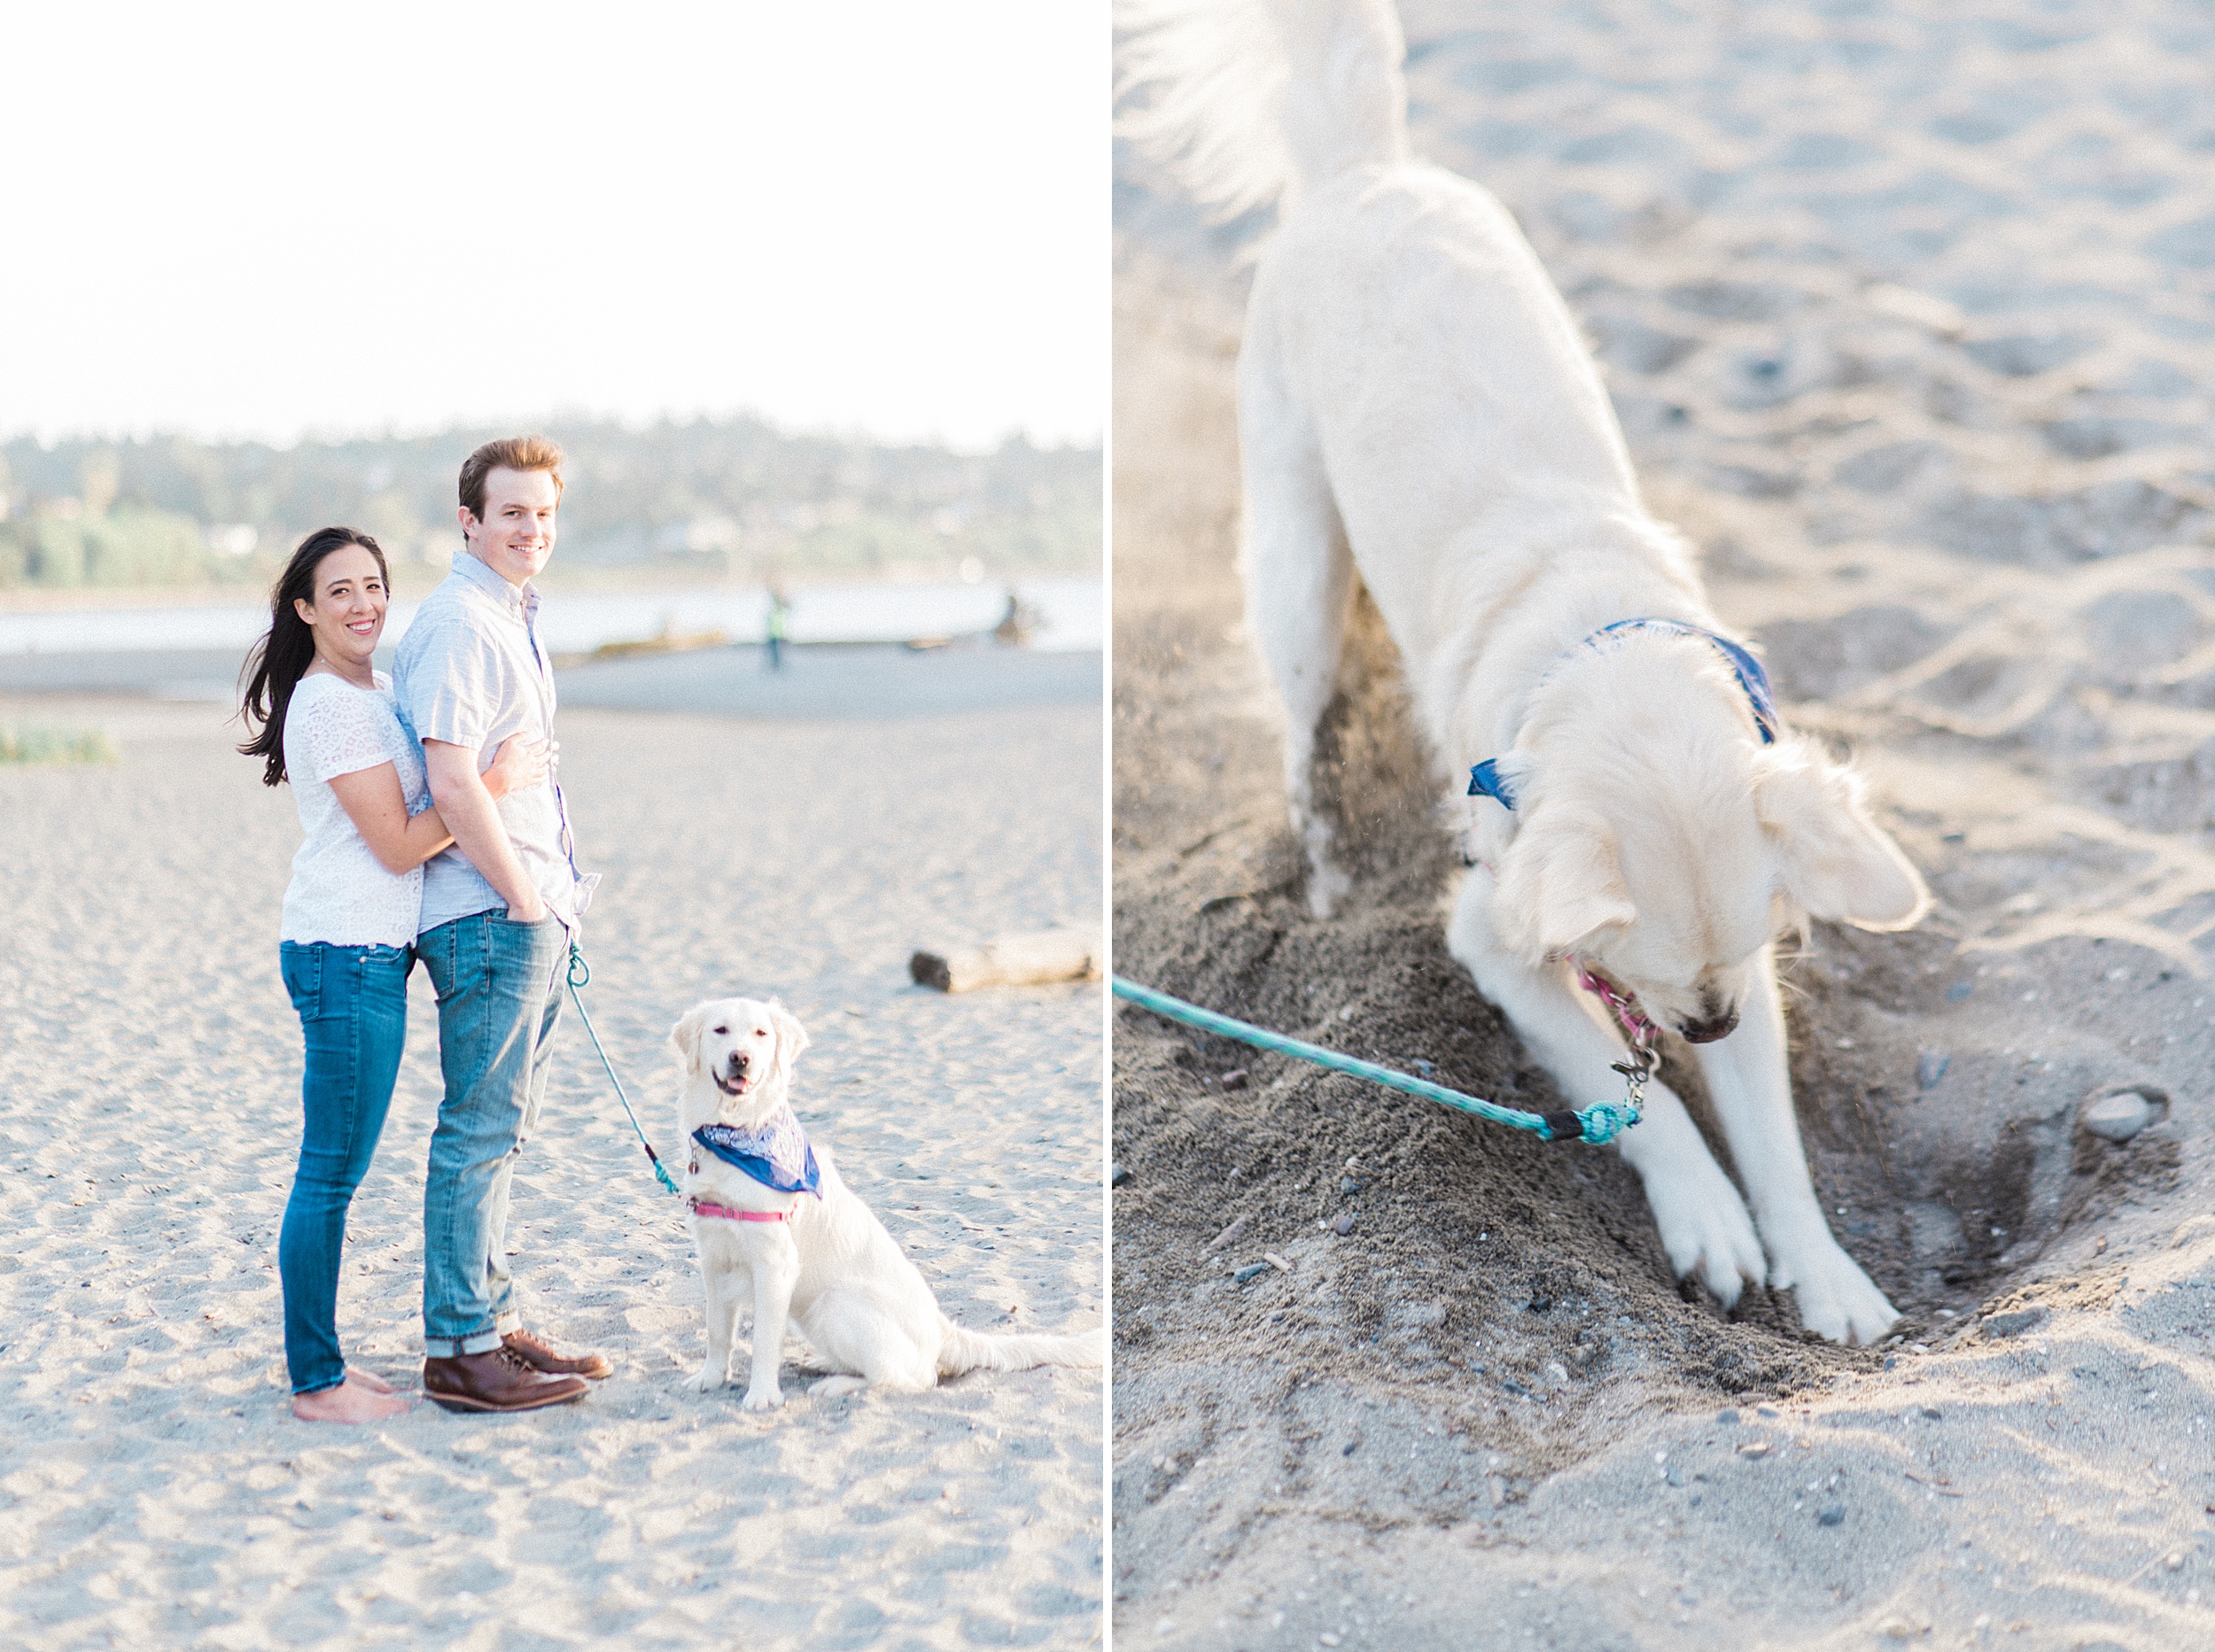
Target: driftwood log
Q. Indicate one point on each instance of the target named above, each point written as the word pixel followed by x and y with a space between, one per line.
pixel 1011 961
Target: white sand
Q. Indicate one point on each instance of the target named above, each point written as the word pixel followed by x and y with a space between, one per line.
pixel 155 1491
pixel 1909 311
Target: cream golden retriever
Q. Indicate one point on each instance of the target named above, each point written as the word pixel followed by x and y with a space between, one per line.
pixel 775 1224
pixel 1416 406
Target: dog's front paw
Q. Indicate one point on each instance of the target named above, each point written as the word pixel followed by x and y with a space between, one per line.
pixel 761 1398
pixel 1836 1299
pixel 706 1378
pixel 1705 1230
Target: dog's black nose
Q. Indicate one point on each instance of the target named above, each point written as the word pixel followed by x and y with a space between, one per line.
pixel 1714 1028
pixel 739 1064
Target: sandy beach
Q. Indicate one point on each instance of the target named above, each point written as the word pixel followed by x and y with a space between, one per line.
pixel 1908 315
pixel 155 1491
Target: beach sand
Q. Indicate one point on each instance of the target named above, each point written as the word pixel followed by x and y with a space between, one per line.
pixel 155 1491
pixel 1909 316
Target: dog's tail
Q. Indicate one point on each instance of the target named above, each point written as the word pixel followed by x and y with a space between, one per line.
pixel 976 1350
pixel 1247 102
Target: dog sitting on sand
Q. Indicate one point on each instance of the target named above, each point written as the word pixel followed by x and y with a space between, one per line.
pixel 770 1214
pixel 1416 406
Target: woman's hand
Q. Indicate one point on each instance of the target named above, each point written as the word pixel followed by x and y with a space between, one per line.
pixel 522 762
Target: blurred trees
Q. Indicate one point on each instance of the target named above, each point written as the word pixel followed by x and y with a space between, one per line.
pixel 726 498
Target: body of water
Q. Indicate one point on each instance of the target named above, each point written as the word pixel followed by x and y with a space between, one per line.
pixel 1072 617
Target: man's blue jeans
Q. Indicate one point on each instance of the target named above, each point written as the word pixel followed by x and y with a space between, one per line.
pixel 352 1004
pixel 499 987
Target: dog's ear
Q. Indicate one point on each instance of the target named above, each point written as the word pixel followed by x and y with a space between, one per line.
pixel 792 1037
pixel 1832 859
pixel 684 1038
pixel 1559 883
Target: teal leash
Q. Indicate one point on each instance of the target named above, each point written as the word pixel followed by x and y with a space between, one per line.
pixel 1597 1124
pixel 580 974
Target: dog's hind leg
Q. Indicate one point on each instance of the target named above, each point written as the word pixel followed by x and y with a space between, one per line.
pixel 1702 1221
pixel 1299 586
pixel 1747 1076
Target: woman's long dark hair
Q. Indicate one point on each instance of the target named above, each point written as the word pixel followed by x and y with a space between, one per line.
pixel 275 664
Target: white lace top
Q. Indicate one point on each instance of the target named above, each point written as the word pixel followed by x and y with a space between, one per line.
pixel 340 892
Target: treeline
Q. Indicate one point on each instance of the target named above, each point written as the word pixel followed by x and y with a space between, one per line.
pixel 732 498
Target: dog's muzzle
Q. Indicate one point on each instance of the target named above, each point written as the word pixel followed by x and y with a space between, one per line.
pixel 1706 1032
pixel 735 1082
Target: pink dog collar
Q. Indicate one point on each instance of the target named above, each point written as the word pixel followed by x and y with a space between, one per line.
pixel 702 1207
pixel 1642 1032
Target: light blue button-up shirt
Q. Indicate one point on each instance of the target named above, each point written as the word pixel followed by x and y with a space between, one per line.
pixel 470 672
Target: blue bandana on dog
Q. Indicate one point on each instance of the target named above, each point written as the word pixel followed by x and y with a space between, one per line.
pixel 775 1153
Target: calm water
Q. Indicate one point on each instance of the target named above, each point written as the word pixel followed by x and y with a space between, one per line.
pixel 1073 613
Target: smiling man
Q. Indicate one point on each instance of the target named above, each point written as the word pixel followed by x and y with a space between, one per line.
pixel 498 910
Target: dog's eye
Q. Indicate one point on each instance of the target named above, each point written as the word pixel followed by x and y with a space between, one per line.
pixel 722 1030
pixel 761 1032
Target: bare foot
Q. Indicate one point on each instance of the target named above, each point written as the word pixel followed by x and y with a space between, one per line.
pixel 354 1401
pixel 369 1380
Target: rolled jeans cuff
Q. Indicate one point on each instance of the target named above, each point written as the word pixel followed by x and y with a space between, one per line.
pixel 451 1347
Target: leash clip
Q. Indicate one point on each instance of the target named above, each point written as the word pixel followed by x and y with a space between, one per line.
pixel 1636 1072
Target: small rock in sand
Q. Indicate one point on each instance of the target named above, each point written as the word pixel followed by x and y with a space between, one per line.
pixel 1117 1176
pixel 1235 1079
pixel 1250 1272
pixel 1832 1515
pixel 1931 1067
pixel 1755 1448
pixel 1557 1373
pixel 1726 1418
pixel 2119 1117
pixel 2016 1324
pixel 1344 1225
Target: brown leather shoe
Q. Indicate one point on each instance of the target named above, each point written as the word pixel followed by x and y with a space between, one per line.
pixel 540 1355
pixel 496 1380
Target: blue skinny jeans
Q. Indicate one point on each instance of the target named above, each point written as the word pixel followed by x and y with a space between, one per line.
pixel 352 1004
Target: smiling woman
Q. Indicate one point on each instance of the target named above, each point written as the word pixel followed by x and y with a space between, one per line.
pixel 329 727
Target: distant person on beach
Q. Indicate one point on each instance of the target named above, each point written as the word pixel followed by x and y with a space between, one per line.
pixel 779 627
pixel 1017 623
pixel 347 938
pixel 499 908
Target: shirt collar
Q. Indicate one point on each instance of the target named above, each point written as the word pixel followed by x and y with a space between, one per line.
pixel 468 566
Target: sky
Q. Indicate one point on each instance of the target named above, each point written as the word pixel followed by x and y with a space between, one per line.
pixel 241 220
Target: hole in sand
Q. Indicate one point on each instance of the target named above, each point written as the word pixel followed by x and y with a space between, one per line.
pixel 1941 1125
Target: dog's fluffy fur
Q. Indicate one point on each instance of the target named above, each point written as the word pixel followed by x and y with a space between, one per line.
pixel 830 1268
pixel 1416 406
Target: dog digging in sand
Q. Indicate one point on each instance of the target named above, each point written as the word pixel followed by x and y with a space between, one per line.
pixel 1416 407
pixel 771 1212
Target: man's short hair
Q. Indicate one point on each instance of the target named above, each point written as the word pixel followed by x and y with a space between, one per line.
pixel 510 453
